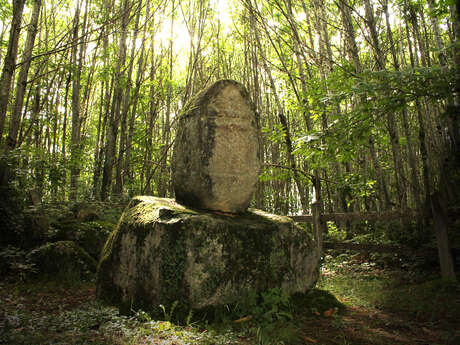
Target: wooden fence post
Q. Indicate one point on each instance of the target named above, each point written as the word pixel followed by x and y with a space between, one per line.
pixel 318 224
pixel 441 229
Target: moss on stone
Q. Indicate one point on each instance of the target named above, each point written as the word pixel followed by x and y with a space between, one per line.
pixel 64 259
pixel 161 251
pixel 90 235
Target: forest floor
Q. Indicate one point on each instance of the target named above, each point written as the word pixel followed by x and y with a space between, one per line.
pixel 381 306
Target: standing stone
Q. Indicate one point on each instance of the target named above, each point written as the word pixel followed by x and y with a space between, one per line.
pixel 216 159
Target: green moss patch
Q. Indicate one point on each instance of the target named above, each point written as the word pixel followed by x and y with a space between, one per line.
pixel 64 259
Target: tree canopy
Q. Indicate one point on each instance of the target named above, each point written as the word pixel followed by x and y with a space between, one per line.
pixel 358 99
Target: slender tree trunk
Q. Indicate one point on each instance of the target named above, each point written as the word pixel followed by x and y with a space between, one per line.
pixel 21 86
pixel 282 119
pixel 119 173
pixel 391 122
pixel 114 120
pixel 140 72
pixel 164 173
pixel 106 93
pixel 10 62
pixel 353 53
pixel 75 132
pixel 22 79
pixel 421 121
pixel 415 186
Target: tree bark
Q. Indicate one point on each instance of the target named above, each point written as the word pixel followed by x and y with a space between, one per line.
pixel 22 79
pixel 21 87
pixel 440 225
pixel 75 131
pixel 352 50
pixel 414 184
pixel 282 119
pixel 10 62
pixel 119 173
pixel 114 120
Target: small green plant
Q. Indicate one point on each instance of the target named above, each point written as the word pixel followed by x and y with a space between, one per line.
pixel 267 317
pixel 266 307
pixel 188 320
pixel 168 315
pixel 15 262
pixel 142 316
pixel 276 304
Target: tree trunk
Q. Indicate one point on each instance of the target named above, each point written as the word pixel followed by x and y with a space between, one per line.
pixel 114 120
pixel 164 173
pixel 352 50
pixel 75 132
pixel 282 119
pixel 440 225
pixel 391 122
pixel 10 62
pixel 119 173
pixel 22 79
pixel 21 86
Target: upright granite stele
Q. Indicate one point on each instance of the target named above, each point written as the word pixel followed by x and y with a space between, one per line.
pixel 163 251
pixel 216 161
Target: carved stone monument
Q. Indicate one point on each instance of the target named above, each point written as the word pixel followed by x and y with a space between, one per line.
pixel 216 159
pixel 162 251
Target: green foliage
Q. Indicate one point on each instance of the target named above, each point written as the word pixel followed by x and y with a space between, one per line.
pixel 63 259
pixel 15 263
pixel 335 233
pixel 441 8
pixel 354 187
pixel 6 11
pixel 365 284
pixel 267 307
pixel 168 315
pixel 275 134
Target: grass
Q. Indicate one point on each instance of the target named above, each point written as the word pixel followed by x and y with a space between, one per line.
pixel 365 285
pixel 355 302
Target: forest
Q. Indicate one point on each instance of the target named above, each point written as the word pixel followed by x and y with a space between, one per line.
pixel 359 110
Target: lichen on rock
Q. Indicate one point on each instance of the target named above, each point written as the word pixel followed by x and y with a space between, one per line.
pixel 216 157
pixel 161 252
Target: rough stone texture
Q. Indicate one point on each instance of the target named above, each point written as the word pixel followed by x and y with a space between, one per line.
pixel 216 160
pixel 161 252
pixel 63 259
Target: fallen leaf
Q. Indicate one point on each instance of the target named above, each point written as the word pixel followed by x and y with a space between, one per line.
pixel 310 340
pixel 329 312
pixel 243 319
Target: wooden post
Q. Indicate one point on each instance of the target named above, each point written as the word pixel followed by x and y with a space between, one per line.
pixel 440 228
pixel 317 224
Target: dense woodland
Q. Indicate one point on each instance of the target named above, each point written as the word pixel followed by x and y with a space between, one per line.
pixel 359 96
pixel 357 100
pixel 358 103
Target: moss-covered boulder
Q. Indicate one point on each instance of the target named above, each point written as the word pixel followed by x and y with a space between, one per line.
pixel 90 235
pixel 161 252
pixel 64 260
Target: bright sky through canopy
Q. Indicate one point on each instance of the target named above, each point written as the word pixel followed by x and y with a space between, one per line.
pixel 181 37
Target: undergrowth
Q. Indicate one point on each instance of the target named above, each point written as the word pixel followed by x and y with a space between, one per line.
pixel 368 285
pixel 341 310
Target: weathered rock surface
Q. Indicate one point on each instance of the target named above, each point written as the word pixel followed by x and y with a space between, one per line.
pixel 216 160
pixel 161 252
pixel 63 259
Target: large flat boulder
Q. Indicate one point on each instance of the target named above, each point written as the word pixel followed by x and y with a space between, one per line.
pixel 216 161
pixel 161 252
